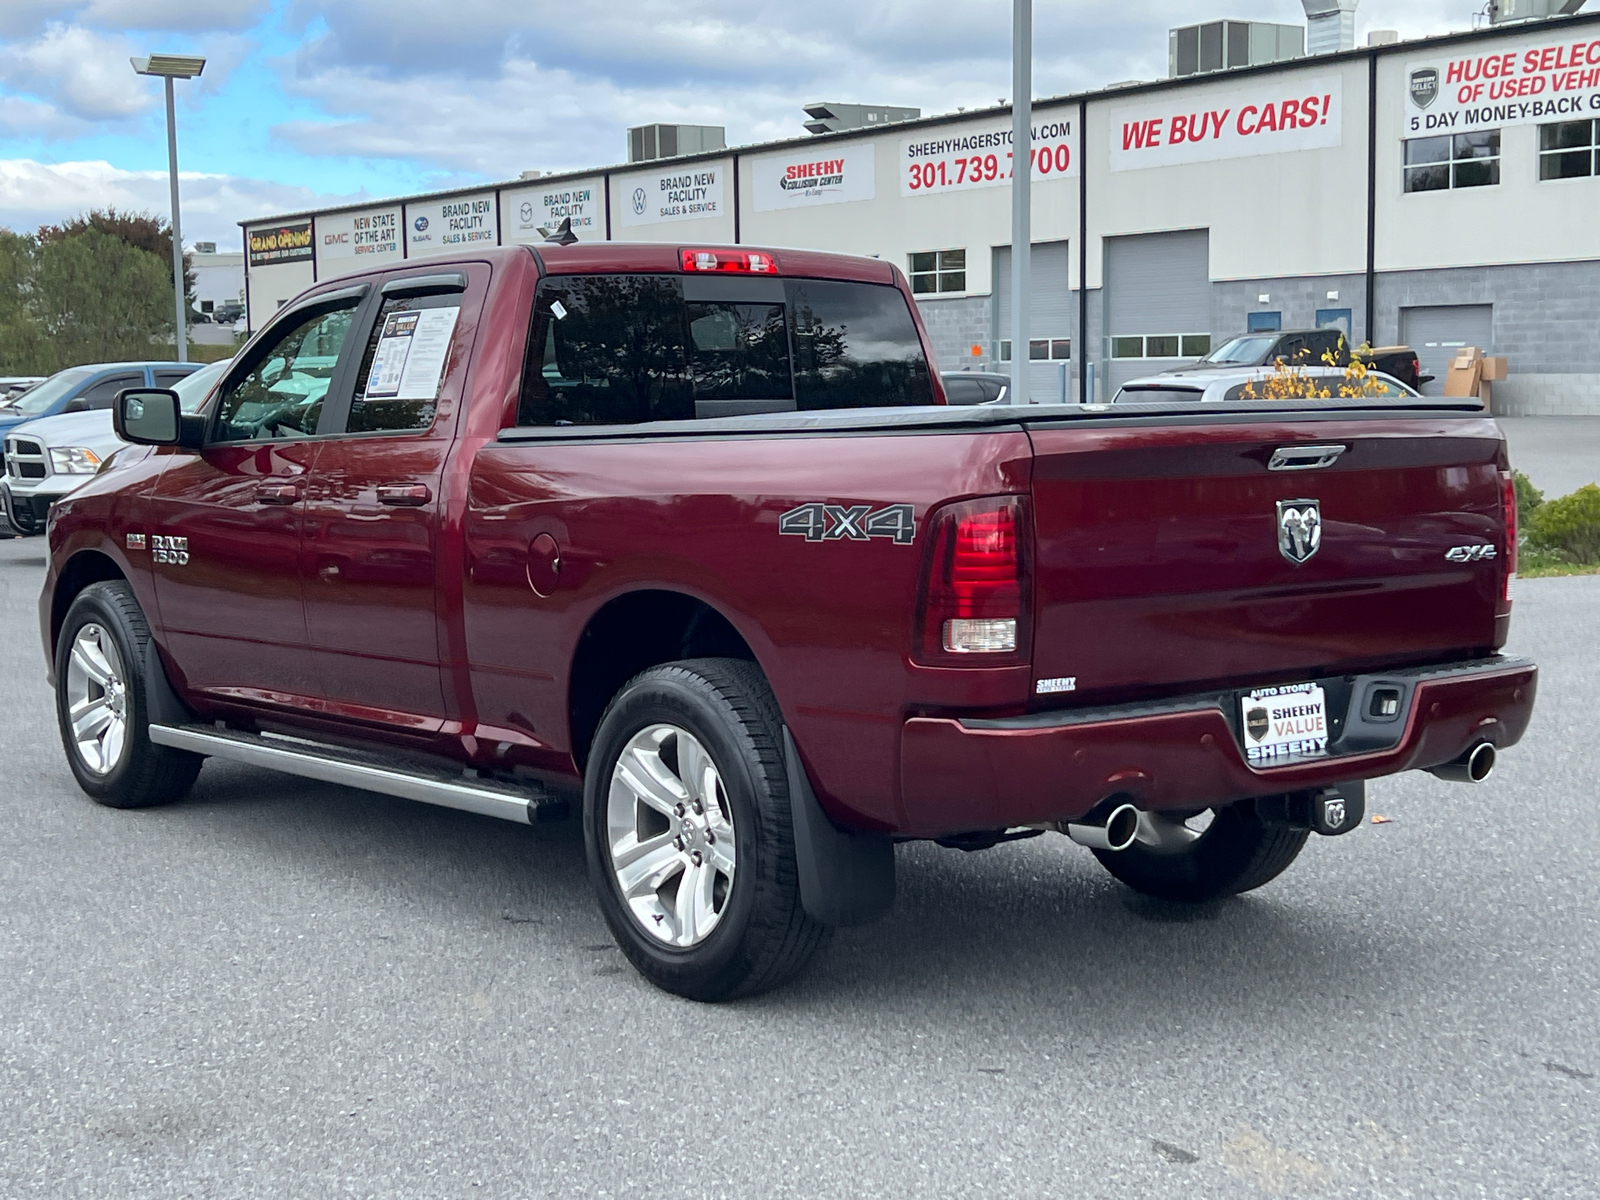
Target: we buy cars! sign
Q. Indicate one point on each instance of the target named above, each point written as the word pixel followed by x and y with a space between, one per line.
pixel 1269 117
pixel 1551 80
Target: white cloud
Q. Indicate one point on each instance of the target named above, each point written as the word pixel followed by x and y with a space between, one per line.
pixel 34 194
pixel 174 15
pixel 85 74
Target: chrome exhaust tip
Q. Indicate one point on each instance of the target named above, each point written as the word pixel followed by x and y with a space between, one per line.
pixel 1117 832
pixel 1474 766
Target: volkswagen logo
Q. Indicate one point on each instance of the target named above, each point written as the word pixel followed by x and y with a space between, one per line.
pixel 1299 529
pixel 639 201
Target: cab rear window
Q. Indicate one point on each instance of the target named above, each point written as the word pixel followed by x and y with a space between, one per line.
pixel 622 349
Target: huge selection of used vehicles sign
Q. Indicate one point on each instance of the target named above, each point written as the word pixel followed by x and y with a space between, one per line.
pixel 1555 79
pixel 1266 116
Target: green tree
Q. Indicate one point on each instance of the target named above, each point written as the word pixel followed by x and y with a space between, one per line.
pixel 95 298
pixel 23 350
pixel 136 229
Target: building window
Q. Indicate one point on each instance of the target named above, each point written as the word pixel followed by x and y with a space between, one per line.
pixel 1051 349
pixel 1569 150
pixel 1162 345
pixel 938 271
pixel 207 306
pixel 1264 322
pixel 1459 160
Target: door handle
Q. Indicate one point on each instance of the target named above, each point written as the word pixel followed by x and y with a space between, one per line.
pixel 278 493
pixel 406 494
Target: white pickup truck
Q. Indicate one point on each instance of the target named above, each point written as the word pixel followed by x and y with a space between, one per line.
pixel 47 458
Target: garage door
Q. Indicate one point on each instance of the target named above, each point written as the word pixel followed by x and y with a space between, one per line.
pixel 1158 302
pixel 1052 316
pixel 1436 334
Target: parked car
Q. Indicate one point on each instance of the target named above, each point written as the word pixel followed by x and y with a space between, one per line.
pixel 49 457
pixel 78 389
pixel 1306 347
pixel 12 386
pixel 1230 386
pixel 976 387
pixel 687 538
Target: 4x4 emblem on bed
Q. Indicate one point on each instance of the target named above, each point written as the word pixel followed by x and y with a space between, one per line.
pixel 1299 529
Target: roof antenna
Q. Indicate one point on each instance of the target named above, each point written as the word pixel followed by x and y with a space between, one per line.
pixel 561 235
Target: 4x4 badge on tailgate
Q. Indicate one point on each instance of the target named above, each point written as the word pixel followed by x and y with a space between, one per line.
pixel 1299 529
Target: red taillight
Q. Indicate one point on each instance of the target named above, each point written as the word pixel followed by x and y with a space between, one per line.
pixel 744 262
pixel 975 608
pixel 1508 512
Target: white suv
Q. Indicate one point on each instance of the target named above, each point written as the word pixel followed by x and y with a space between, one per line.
pixel 47 458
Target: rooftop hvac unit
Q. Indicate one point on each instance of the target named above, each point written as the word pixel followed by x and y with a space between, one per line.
pixel 827 117
pixel 1217 45
pixel 1502 12
pixel 646 142
pixel 1330 25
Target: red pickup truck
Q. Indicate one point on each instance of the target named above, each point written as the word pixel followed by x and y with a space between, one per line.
pixel 687 538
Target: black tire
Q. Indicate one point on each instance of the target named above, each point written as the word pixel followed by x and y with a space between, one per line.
pixel 762 934
pixel 1236 853
pixel 143 773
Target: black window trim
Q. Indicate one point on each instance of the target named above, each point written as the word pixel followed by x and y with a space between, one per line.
pixel 291 315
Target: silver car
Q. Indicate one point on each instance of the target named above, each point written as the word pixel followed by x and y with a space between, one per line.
pixel 1228 386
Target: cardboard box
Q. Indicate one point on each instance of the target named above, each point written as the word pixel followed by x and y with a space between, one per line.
pixel 1465 373
pixel 1494 369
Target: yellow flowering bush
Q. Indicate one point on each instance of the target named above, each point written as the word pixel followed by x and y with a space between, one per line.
pixel 1289 381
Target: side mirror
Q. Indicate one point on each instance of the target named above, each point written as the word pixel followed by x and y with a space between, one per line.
pixel 154 417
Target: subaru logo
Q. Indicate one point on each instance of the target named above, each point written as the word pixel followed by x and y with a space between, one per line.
pixel 1299 529
pixel 1424 86
pixel 639 200
pixel 420 224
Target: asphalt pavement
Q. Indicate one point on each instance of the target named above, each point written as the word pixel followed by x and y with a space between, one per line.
pixel 1560 454
pixel 280 988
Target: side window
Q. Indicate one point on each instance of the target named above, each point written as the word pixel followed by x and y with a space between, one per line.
pixel 609 349
pixel 855 346
pixel 165 379
pixel 397 384
pixel 281 395
pixel 104 393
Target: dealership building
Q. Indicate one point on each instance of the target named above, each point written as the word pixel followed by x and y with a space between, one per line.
pixel 1440 193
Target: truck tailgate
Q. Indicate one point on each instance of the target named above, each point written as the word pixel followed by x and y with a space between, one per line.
pixel 1159 570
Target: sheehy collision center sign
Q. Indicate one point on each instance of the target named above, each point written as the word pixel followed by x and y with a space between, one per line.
pixel 1551 80
pixel 978 155
pixel 1269 117
pixel 830 174
pixel 686 193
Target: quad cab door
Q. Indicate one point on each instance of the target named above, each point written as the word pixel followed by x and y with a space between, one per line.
pixel 225 533
pixel 372 509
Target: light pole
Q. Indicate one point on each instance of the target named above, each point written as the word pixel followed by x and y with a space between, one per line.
pixel 169 67
pixel 1021 192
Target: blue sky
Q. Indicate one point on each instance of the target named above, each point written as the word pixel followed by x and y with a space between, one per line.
pixel 307 103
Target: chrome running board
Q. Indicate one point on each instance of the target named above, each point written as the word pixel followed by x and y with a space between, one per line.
pixel 335 764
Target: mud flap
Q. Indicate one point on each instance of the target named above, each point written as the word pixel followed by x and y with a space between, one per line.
pixel 161 703
pixel 845 878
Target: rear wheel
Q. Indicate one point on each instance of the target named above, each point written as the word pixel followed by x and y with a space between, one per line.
pixel 1220 852
pixel 688 831
pixel 100 704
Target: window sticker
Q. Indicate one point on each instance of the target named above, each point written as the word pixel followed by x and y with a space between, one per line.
pixel 411 355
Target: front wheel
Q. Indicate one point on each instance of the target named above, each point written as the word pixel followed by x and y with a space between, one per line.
pixel 100 704
pixel 1220 852
pixel 688 832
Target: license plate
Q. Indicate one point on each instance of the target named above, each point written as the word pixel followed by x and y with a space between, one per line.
pixel 1284 724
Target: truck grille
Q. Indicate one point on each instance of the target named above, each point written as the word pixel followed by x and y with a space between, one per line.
pixel 25 459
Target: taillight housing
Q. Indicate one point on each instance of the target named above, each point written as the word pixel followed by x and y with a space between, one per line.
pixel 725 261
pixel 1508 513
pixel 975 609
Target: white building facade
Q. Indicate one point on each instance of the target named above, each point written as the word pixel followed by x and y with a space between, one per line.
pixel 1439 193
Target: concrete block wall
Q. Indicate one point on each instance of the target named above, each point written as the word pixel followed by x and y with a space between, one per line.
pixel 1297 298
pixel 1537 395
pixel 955 326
